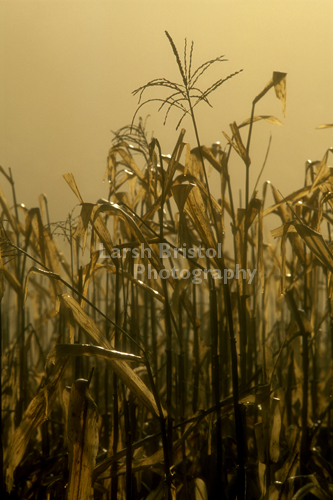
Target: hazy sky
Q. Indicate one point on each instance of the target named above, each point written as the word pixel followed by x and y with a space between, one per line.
pixel 68 69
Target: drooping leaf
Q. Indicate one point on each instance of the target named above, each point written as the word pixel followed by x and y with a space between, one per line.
pixel 295 196
pixel 322 171
pixel 41 272
pixel 278 81
pixel 114 209
pixel 127 159
pixel 121 368
pixel 173 162
pixel 63 350
pixel 237 143
pixel 315 242
pixel 280 87
pixel 268 118
pixel 69 178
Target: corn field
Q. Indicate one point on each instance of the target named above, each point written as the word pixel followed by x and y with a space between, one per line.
pixel 145 354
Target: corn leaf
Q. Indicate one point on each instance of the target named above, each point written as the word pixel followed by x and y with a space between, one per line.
pixel 316 243
pixel 280 87
pixel 267 118
pixel 36 413
pixel 127 375
pixel 63 350
pixel 69 178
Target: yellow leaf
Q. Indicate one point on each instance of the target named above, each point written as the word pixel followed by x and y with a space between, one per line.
pixel 121 368
pixel 36 413
pixel 270 119
pixel 173 162
pixel 316 243
pixel 42 272
pixel 69 178
pixel 63 350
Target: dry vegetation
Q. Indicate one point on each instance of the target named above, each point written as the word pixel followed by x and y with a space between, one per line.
pixel 119 385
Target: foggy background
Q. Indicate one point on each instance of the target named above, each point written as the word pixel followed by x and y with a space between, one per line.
pixel 68 69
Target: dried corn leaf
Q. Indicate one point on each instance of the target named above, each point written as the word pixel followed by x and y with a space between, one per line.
pixel 82 226
pixel 322 171
pixel 196 209
pixel 144 463
pixel 41 272
pixel 173 162
pixel 280 231
pixel 34 225
pixel 37 412
pixel 208 155
pixel 130 277
pixel 114 209
pixel 82 442
pixel 241 150
pixel 253 210
pixel 63 350
pixel 295 196
pixel 316 243
pixel 180 193
pixel 280 87
pixel 13 281
pixel 237 143
pixel 69 178
pixel 127 375
pixel 8 214
pixel 270 119
pixel 43 206
pixel 89 276
pixel 127 158
pixel 52 260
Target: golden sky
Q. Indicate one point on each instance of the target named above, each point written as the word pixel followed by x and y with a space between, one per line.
pixel 68 69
